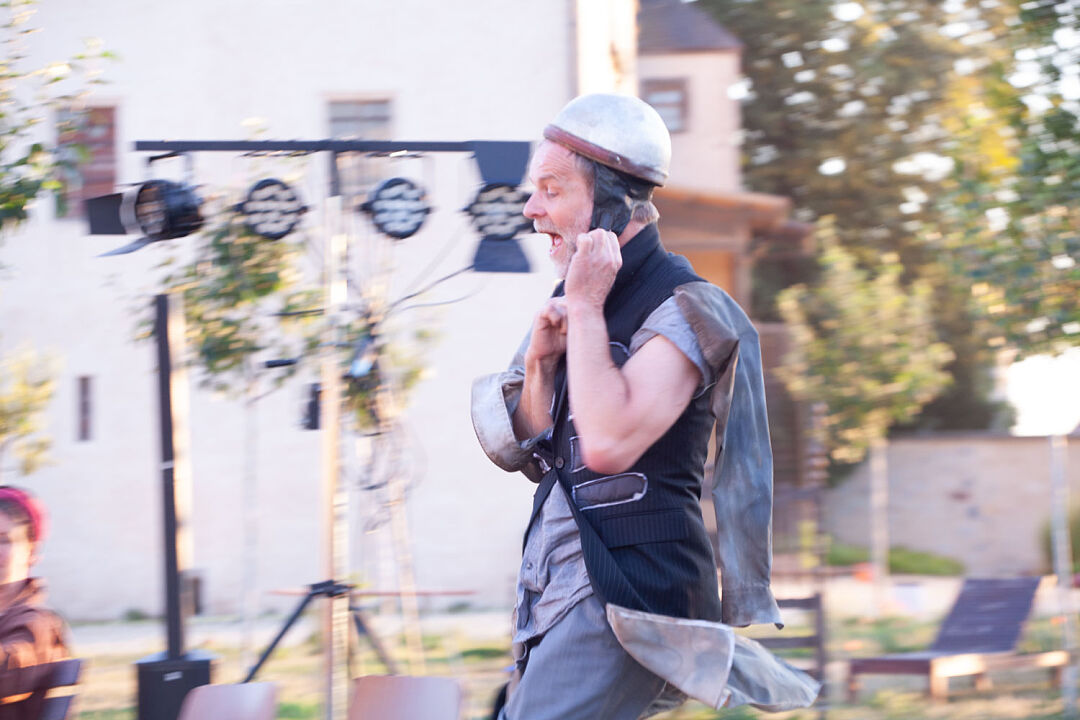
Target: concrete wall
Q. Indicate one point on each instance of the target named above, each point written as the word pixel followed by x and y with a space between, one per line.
pixel 486 69
pixel 981 499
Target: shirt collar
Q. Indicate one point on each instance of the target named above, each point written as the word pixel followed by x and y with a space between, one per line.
pixel 634 253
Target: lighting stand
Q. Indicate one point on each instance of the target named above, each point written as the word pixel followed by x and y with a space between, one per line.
pixel 332 590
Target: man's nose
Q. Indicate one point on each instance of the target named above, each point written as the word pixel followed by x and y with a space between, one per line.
pixel 532 208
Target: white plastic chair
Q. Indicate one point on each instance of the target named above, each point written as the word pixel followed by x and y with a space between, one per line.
pixel 243 701
pixel 399 697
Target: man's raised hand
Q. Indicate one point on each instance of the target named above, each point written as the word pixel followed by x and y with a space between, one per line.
pixel 593 267
pixel 548 341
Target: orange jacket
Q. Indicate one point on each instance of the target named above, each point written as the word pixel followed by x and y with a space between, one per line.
pixel 31 635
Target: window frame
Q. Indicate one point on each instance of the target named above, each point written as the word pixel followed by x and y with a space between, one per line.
pixel 651 86
pixel 102 166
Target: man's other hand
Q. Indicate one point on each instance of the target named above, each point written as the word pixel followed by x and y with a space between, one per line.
pixel 593 268
pixel 548 341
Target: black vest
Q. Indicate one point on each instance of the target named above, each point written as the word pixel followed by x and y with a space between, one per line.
pixel 642 532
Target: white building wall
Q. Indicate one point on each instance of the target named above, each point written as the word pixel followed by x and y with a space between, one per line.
pixel 486 69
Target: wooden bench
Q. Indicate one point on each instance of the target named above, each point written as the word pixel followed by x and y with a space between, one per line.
pixel 40 689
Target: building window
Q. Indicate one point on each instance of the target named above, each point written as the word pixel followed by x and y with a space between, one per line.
pixel 359 120
pixel 87 142
pixel 85 408
pixel 669 97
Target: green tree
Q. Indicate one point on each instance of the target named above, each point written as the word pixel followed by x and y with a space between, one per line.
pixel 26 388
pixel 245 302
pixel 847 112
pixel 1011 226
pixel 240 294
pixel 27 167
pixel 863 345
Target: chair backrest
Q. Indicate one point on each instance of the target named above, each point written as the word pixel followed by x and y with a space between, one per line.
pixel 243 701
pixel 987 616
pixel 32 690
pixel 400 697
pixel 65 674
pixel 816 642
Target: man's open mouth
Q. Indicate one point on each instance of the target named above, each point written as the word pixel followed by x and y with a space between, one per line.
pixel 556 242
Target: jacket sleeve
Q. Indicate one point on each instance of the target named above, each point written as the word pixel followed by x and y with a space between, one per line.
pixel 742 473
pixel 494 400
pixel 27 644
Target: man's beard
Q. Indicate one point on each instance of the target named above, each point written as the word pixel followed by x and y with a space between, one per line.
pixel 563 258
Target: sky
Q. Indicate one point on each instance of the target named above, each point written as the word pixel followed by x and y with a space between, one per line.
pixel 1046 393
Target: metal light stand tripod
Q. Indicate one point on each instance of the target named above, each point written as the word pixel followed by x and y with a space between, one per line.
pixel 327 589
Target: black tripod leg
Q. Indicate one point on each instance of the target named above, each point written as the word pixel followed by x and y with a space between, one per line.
pixel 281 633
pixel 363 629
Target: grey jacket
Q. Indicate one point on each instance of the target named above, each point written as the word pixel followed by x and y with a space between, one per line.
pixel 742 479
pixel 705 660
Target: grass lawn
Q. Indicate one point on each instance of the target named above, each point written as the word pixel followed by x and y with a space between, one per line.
pixel 107 690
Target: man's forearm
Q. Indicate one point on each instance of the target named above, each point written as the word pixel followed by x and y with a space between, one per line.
pixel 533 414
pixel 598 390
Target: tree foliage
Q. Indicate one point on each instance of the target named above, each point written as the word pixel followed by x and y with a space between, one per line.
pixel 864 346
pixel 247 300
pixel 849 112
pixel 844 116
pixel 27 96
pixel 240 293
pixel 1012 228
pixel 27 166
pixel 26 388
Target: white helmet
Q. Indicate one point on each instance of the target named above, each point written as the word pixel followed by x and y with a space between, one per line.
pixel 620 131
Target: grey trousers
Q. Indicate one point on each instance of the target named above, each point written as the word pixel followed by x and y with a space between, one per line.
pixel 578 671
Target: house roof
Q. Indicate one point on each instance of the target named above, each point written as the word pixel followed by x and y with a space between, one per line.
pixel 736 221
pixel 670 26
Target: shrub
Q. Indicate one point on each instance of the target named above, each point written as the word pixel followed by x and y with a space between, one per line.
pixel 902 560
pixel 1074 541
pixel 913 562
pixel 841 554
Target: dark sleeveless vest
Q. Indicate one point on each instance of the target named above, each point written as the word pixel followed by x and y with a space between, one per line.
pixel 642 532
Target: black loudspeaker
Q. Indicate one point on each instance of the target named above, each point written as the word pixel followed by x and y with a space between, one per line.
pixel 163 683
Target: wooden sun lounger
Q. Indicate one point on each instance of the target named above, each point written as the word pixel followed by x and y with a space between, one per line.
pixel 979 636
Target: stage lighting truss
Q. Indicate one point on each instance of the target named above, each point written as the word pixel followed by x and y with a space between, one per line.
pixel 398 207
pixel 272 209
pixel 496 211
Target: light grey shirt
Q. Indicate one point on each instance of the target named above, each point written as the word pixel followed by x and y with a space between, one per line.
pixel 553 577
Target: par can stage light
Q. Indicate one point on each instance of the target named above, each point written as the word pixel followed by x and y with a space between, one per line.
pixel 272 209
pixel 397 207
pixel 161 210
pixel 496 211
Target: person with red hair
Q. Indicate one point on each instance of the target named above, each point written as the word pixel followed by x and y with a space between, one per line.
pixel 31 635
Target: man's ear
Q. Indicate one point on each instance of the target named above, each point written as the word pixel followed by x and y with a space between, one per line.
pixel 33 554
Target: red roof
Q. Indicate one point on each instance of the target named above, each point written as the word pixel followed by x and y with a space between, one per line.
pixel 669 26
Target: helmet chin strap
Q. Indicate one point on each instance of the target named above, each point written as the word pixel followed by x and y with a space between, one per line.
pixel 611 199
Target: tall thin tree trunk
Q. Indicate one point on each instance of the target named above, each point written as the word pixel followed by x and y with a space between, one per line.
pixel 1063 564
pixel 879 522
